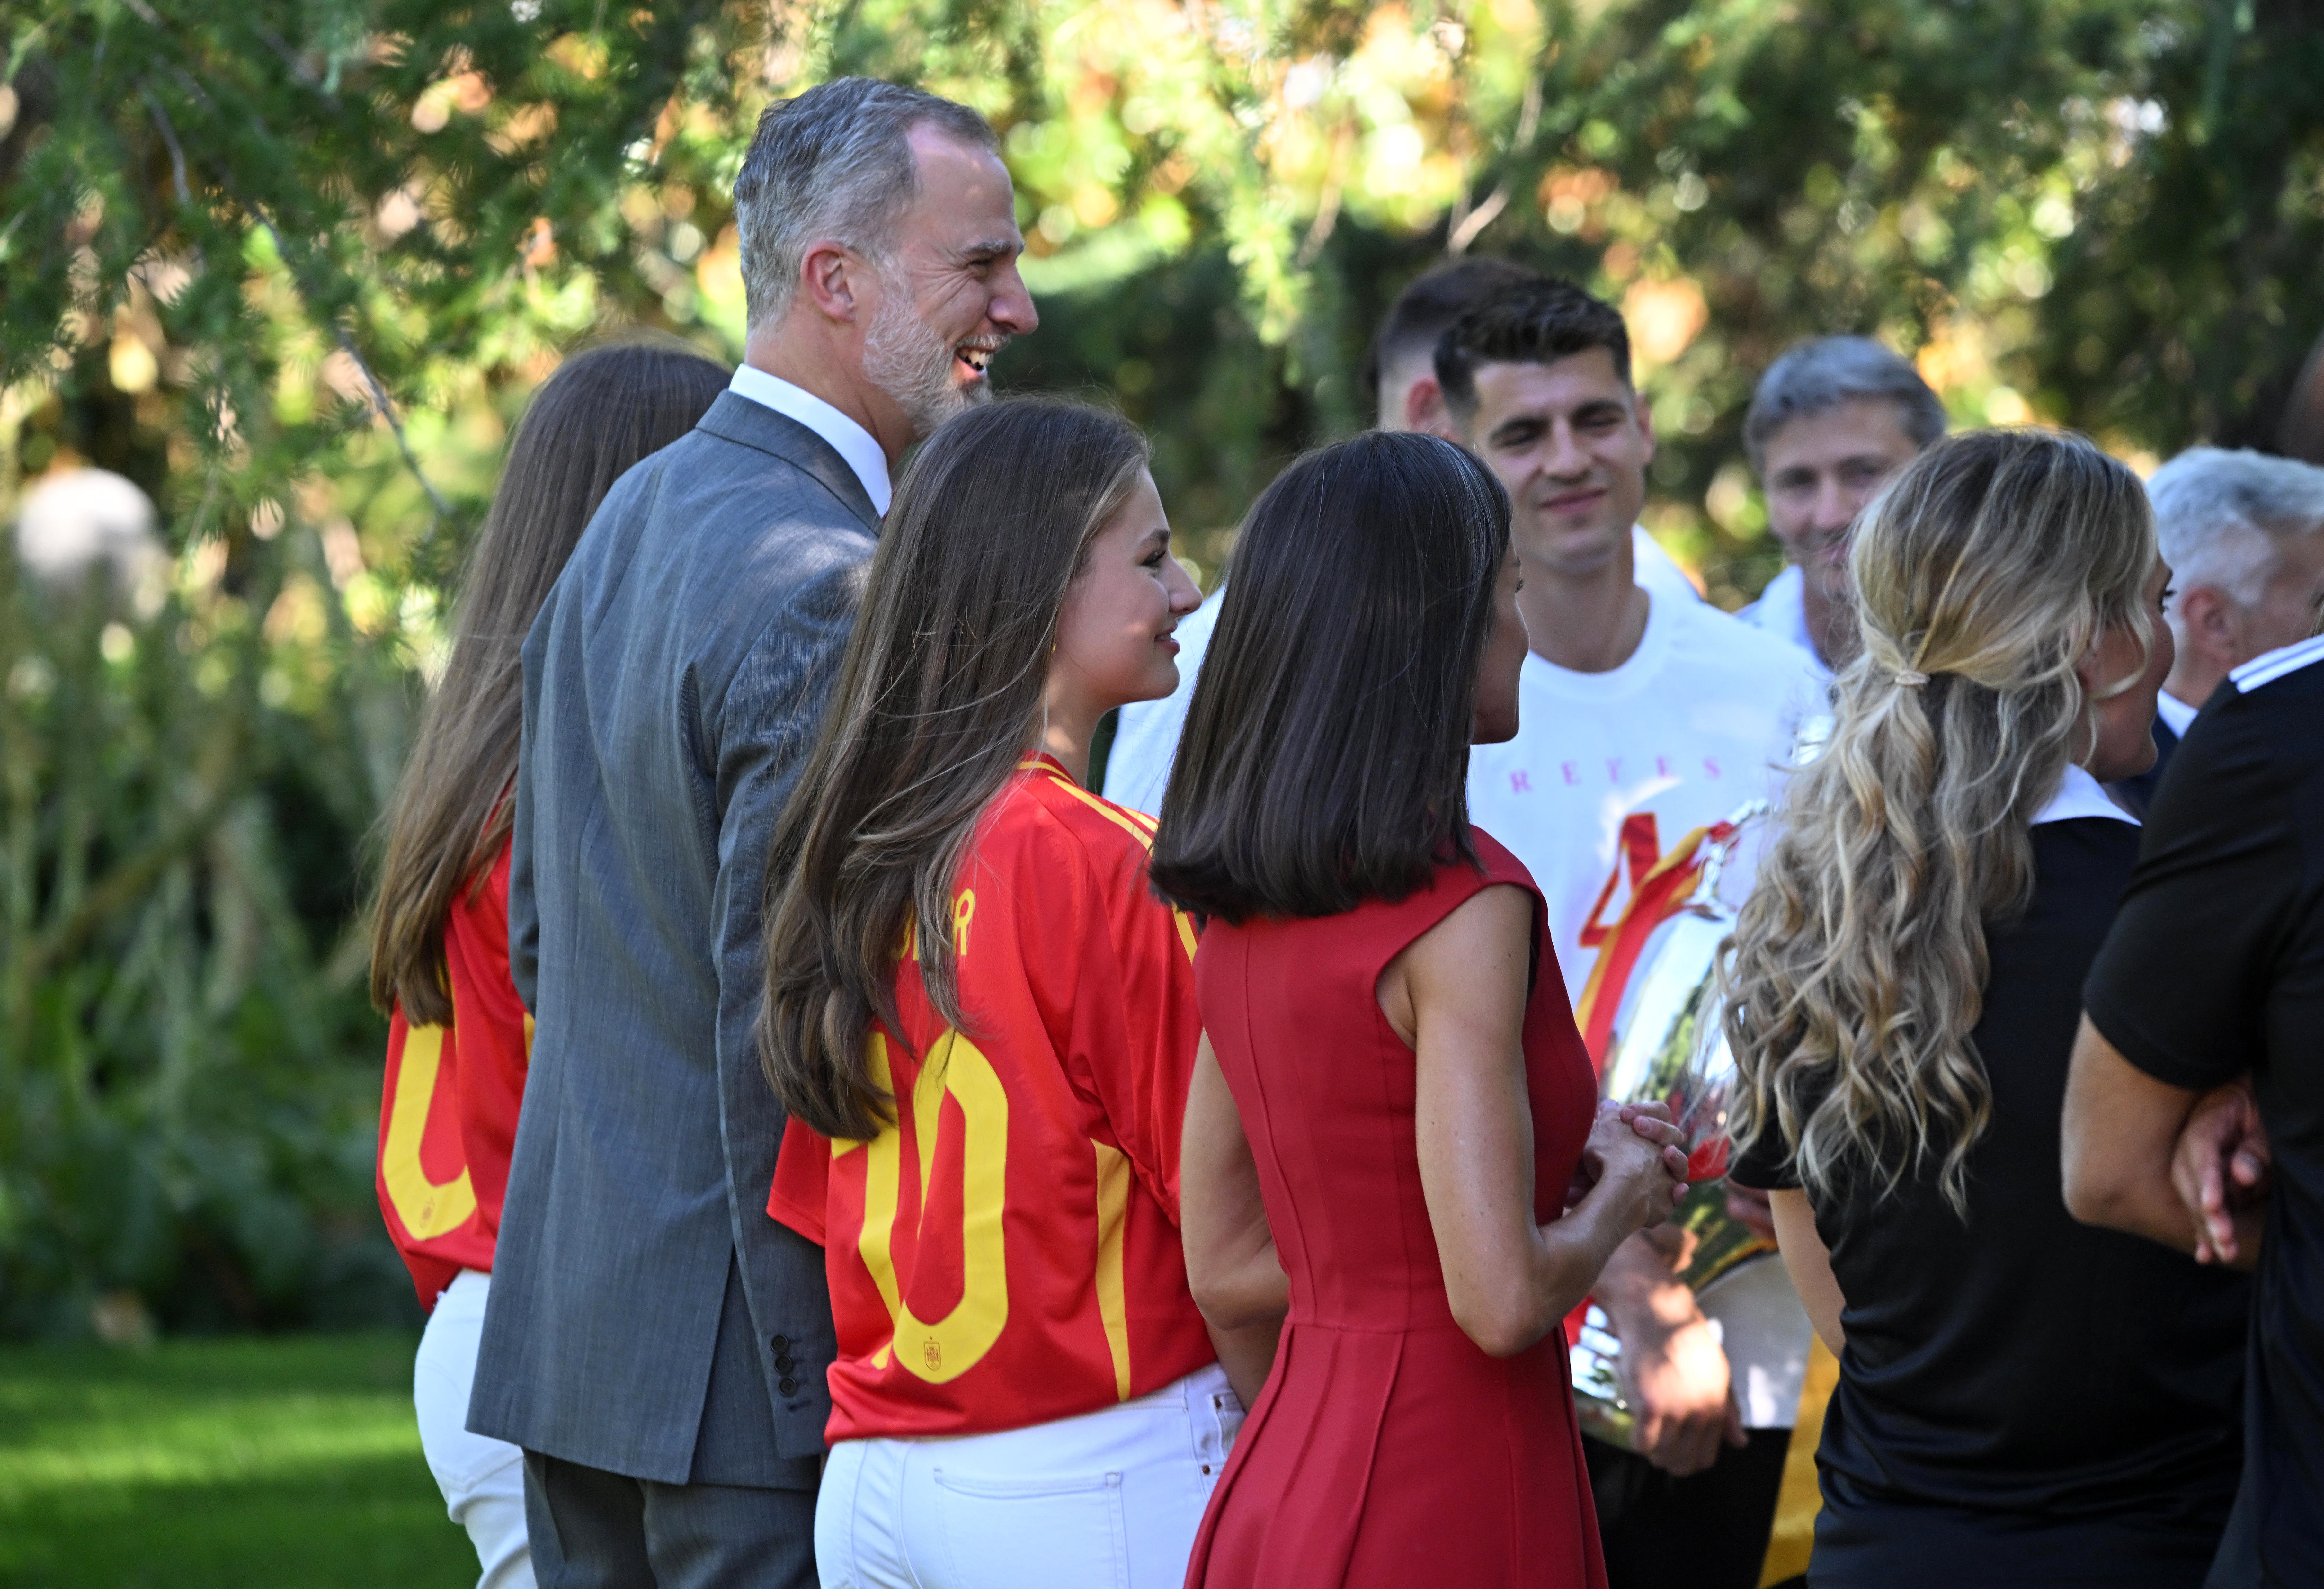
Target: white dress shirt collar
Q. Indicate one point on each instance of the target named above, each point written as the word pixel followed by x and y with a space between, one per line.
pixel 2177 715
pixel 849 439
pixel 2081 795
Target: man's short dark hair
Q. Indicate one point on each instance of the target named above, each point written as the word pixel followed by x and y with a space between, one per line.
pixel 1420 311
pixel 1537 323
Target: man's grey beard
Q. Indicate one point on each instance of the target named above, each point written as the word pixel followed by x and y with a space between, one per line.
pixel 904 357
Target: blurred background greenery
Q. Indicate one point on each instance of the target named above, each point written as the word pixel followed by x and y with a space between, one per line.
pixel 292 267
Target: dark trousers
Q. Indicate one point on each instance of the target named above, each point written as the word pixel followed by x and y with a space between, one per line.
pixel 593 1529
pixel 1707 1530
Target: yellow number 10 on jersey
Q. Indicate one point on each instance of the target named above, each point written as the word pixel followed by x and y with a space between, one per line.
pixel 942 1349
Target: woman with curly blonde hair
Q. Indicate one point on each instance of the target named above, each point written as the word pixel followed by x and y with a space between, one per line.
pixel 2022 1400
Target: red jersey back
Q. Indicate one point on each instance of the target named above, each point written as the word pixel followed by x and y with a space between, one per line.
pixel 448 1120
pixel 1007 1252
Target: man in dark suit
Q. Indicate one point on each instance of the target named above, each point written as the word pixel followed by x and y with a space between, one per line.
pixel 2244 534
pixel 654 1342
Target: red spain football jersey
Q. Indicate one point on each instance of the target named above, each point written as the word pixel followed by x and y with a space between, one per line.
pixel 1007 1252
pixel 448 1119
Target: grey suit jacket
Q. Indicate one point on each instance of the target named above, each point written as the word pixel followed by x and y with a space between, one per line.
pixel 672 685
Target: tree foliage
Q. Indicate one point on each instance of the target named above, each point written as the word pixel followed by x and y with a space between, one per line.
pixel 292 265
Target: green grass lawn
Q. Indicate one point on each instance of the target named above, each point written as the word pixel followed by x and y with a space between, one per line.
pixel 259 1464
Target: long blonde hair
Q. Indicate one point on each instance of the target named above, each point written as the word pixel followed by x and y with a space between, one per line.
pixel 1985 574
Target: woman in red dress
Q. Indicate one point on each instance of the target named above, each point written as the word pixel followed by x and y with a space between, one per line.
pixel 458 1038
pixel 1393 1126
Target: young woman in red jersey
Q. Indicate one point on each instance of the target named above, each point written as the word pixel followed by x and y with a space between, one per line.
pixel 1393 1129
pixel 982 1023
pixel 457 1036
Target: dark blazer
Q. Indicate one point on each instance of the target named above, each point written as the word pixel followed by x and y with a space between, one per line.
pixel 672 685
pixel 2135 794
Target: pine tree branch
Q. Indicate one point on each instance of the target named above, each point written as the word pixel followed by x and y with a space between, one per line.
pixel 380 398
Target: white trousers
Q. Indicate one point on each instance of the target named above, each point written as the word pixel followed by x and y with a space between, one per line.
pixel 1110 1499
pixel 482 1478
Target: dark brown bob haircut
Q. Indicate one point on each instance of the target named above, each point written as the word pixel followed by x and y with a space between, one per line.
pixel 1533 323
pixel 939 698
pixel 1325 758
pixel 598 413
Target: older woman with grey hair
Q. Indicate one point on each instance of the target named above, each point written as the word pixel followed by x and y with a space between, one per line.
pixel 1831 420
pixel 2244 534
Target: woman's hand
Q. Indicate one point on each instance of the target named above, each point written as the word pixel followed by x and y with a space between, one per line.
pixel 1647 1121
pixel 1639 1162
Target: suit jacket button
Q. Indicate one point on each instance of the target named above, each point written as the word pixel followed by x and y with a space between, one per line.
pixel 781 1342
pixel 789 1387
pixel 784 1364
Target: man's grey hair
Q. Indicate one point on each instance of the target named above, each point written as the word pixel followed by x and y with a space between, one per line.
pixel 1824 372
pixel 835 163
pixel 2221 518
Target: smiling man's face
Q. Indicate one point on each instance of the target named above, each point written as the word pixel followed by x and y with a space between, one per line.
pixel 1570 444
pixel 949 296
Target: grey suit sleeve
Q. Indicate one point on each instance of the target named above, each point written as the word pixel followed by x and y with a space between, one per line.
pixel 523 907
pixel 766 725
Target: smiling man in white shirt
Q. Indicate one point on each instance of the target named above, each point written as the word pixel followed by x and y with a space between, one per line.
pixel 1644 722
pixel 1830 422
pixel 1400 372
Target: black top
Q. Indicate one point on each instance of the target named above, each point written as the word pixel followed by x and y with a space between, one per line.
pixel 2021 1371
pixel 2216 968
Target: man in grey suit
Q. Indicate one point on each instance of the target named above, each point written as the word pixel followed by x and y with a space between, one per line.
pixel 653 1341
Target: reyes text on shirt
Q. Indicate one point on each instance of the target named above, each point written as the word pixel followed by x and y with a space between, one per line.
pixel 1615 779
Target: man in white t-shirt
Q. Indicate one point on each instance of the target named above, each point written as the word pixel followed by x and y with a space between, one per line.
pixel 1831 421
pixel 1644 721
pixel 1400 372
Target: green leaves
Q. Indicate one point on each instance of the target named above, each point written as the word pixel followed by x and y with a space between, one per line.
pixel 292 265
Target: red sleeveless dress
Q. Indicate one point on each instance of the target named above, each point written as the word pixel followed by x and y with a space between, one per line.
pixel 1386 1449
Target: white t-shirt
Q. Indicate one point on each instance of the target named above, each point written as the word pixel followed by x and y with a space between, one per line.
pixel 1782 610
pixel 1683 734
pixel 1146 734
pixel 1608 773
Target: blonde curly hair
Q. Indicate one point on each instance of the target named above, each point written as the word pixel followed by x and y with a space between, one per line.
pixel 1985 576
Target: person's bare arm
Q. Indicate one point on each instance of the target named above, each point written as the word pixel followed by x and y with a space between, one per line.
pixel 2119 1129
pixel 1808 1264
pixel 1232 1267
pixel 1458 995
pixel 1672 1370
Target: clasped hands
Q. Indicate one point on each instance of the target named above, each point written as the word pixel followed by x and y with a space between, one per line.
pixel 1633 1140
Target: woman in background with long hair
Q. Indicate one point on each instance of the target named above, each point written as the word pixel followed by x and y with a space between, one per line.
pixel 2022 1400
pixel 457 1036
pixel 981 1022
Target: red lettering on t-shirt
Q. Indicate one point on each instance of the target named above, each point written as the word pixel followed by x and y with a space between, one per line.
pixel 1710 767
pixel 1614 770
pixel 1661 767
pixel 1520 782
pixel 1567 767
